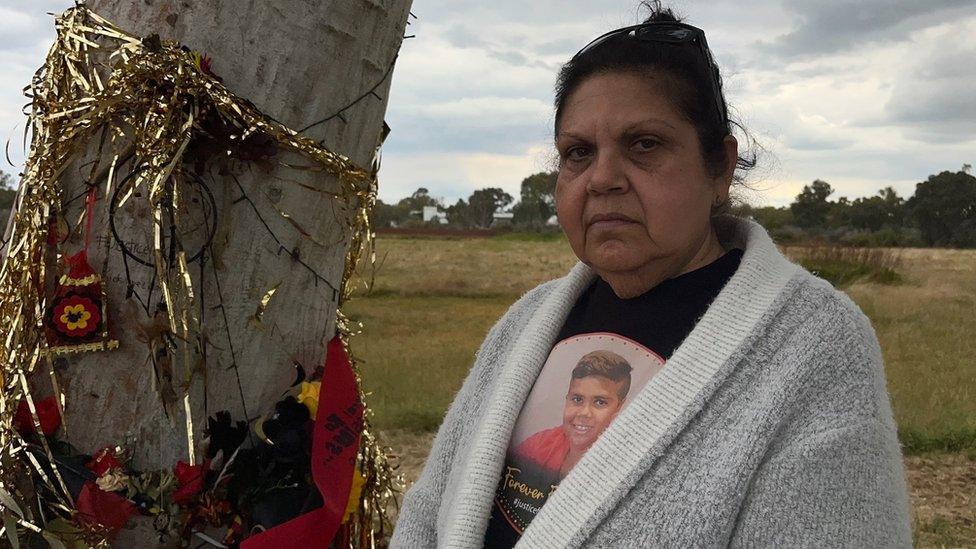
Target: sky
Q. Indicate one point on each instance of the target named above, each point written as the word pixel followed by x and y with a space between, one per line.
pixel 863 94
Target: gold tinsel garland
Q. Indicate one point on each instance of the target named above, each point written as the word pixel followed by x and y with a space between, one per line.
pixel 149 98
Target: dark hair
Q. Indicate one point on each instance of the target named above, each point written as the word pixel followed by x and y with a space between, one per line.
pixel 686 81
pixel 605 364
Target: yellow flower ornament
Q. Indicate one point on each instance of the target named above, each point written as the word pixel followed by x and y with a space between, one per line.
pixel 309 396
pixel 75 317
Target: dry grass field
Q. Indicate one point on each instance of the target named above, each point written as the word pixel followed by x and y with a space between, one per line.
pixel 434 299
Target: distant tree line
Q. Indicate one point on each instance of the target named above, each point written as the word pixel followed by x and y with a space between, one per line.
pixel 941 213
pixel 535 206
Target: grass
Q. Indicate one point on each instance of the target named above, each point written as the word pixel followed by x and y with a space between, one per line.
pixel 434 300
pixel 417 351
pixel 940 532
pixel 530 237
pixel 926 328
pixel 469 267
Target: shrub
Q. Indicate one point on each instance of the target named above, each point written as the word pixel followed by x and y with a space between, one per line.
pixel 885 237
pixel 844 265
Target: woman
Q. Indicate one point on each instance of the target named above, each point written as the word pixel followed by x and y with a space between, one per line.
pixel 769 424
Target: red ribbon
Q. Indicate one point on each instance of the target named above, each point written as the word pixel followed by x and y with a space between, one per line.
pixel 89 214
pixel 335 443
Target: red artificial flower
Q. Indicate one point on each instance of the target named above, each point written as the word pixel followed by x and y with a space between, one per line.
pixel 47 413
pixel 76 316
pixel 107 509
pixel 190 479
pixel 103 462
pixel 205 64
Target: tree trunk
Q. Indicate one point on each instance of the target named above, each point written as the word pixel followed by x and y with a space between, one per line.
pixel 298 61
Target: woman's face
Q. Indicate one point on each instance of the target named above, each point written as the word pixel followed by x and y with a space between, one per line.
pixel 632 193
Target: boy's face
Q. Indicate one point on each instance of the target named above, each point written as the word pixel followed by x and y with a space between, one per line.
pixel 591 404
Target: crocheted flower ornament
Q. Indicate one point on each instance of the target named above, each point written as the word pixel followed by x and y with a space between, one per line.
pixel 76 316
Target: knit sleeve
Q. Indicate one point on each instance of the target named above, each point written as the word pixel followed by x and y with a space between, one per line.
pixel 416 524
pixel 834 476
pixel 839 488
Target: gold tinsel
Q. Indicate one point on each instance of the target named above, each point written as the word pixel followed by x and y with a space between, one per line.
pixel 147 97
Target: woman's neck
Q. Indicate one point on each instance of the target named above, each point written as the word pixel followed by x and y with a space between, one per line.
pixel 628 284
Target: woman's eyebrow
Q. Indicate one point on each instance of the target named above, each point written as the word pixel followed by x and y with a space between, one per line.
pixel 630 129
pixel 647 121
pixel 570 135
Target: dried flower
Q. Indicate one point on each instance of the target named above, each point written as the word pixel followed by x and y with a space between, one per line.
pixel 113 480
pixel 104 460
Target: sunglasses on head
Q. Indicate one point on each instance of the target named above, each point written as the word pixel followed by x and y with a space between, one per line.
pixel 669 33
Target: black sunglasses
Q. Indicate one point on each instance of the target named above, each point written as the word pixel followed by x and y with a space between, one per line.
pixel 670 33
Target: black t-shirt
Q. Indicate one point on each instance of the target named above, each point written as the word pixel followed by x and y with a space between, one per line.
pixel 658 320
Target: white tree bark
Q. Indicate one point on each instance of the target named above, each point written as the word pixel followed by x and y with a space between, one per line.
pixel 298 61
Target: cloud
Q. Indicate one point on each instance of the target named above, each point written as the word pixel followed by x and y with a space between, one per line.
pixel 820 141
pixel 16 26
pixel 473 124
pixel 933 100
pixel 831 26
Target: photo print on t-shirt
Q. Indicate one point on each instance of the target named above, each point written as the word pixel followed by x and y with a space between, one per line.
pixel 585 383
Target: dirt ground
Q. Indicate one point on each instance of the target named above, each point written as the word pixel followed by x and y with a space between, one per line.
pixel 943 489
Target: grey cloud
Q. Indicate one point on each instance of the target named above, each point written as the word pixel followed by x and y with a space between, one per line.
pixel 839 25
pixel 517 58
pixel 460 36
pixel 934 102
pixel 880 165
pixel 514 50
pixel 539 12
pixel 802 142
pixel 429 134
pixel 26 27
pixel 565 47
pixel 27 30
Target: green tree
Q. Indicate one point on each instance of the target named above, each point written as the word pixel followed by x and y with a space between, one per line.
pixel 389 215
pixel 838 214
pixel 416 201
pixel 944 206
pixel 810 208
pixel 8 192
pixel 483 203
pixel 886 209
pixel 459 214
pixel 770 217
pixel 537 200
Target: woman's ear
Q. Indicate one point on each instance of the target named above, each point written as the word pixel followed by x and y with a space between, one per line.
pixel 724 181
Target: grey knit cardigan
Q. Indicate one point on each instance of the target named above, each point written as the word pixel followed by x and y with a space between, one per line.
pixel 770 426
